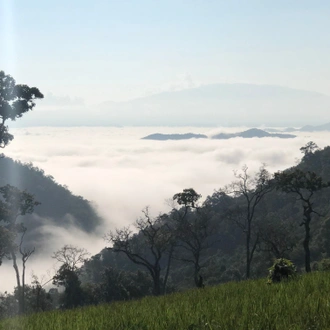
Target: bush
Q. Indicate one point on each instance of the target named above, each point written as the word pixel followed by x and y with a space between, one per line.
pixel 322 265
pixel 281 269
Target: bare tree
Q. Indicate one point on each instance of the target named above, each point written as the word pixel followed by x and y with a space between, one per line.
pixel 71 256
pixel 147 247
pixel 249 192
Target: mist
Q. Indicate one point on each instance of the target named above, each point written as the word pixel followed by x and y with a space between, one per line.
pixel 121 174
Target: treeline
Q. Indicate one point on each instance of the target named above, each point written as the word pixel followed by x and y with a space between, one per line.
pixel 234 234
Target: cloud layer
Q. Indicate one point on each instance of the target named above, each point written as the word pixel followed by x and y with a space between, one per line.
pixel 122 174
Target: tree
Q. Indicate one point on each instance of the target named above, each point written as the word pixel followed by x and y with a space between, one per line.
pixel 16 203
pixel 71 257
pixel 277 237
pixel 15 100
pixel 309 148
pixel 304 185
pixel 146 248
pixel 188 198
pixel 249 192
pixel 193 230
pixel 73 293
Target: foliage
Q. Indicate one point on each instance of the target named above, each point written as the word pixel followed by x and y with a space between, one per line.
pixel 309 148
pixel 73 292
pixel 304 185
pixel 322 265
pixel 282 269
pixel 68 274
pixel 187 198
pixel 15 100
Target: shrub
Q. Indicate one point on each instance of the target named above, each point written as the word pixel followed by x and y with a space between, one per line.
pixel 322 265
pixel 281 269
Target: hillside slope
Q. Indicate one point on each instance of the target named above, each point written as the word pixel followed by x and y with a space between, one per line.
pixel 58 204
pixel 296 305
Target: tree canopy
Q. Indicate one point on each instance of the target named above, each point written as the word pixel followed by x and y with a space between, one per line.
pixel 15 100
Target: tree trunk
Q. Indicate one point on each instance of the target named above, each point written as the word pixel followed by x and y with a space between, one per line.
pixel 23 287
pixel 19 287
pixel 196 276
pixel 306 246
pixel 168 268
pixel 248 261
pixel 156 278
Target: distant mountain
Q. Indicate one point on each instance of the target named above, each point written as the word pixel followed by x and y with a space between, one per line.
pixel 163 137
pixel 251 133
pixel 58 206
pixel 221 105
pixel 207 105
pixel 307 128
pixel 319 128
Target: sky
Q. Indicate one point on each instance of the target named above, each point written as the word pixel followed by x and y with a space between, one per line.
pixel 108 50
pixel 122 174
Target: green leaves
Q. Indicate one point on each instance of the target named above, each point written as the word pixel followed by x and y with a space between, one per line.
pixel 15 100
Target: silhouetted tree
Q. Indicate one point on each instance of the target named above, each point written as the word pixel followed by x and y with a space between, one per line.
pixel 304 185
pixel 73 293
pixel 15 100
pixel 249 192
pixel 193 229
pixel 71 257
pixel 145 248
pixel 309 148
pixel 16 203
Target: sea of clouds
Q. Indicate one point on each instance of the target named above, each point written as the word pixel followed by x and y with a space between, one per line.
pixel 121 174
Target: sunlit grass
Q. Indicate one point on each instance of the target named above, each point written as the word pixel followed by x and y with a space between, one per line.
pixel 300 304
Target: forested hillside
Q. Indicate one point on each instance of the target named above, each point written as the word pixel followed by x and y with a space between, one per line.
pixel 209 243
pixel 234 234
pixel 57 203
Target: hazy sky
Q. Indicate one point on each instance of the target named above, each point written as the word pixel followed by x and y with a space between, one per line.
pixel 117 50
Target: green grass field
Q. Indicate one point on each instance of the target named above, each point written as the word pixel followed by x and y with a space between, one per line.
pixel 300 304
